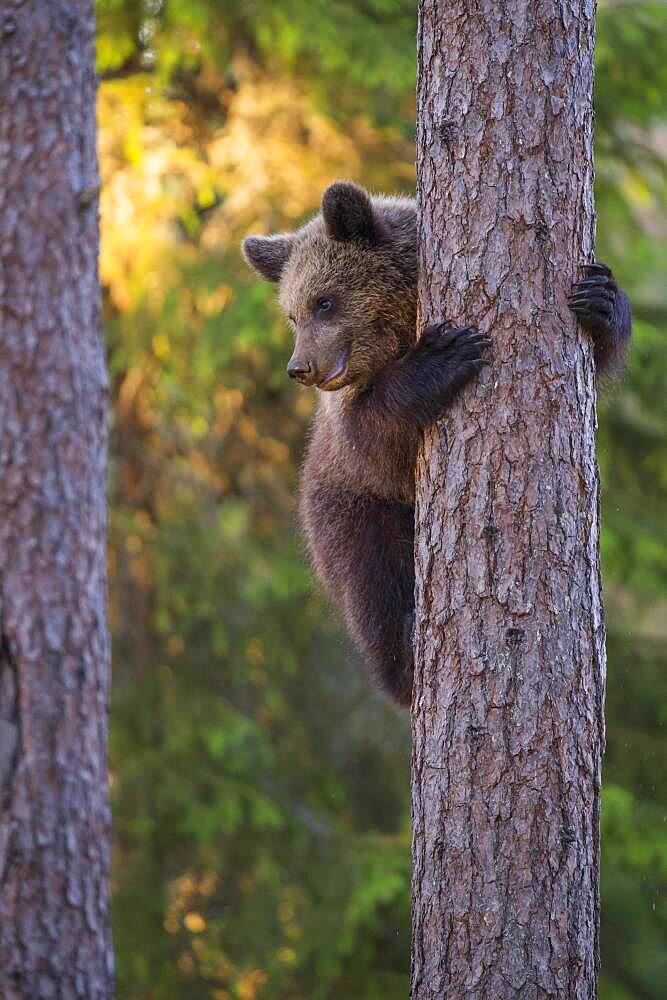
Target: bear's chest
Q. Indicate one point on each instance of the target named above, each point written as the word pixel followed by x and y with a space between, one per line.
pixel 362 457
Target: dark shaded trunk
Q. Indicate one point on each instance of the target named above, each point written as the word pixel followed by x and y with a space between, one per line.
pixel 54 648
pixel 508 701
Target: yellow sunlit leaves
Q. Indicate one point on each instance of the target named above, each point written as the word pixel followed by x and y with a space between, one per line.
pixel 228 400
pixel 208 883
pixel 267 162
pixel 198 427
pixel 204 952
pixel 636 189
pixel 277 451
pixel 128 390
pixel 194 922
pixel 250 984
pixel 186 962
pixel 161 346
pixel 277 150
pixel 212 303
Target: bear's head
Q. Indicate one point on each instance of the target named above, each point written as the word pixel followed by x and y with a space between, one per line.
pixel 347 283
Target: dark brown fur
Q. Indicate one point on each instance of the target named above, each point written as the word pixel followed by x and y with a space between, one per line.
pixel 348 283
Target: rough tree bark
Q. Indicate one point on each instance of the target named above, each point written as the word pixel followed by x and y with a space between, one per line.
pixel 508 700
pixel 54 649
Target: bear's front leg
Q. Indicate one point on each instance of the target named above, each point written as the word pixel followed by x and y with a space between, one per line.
pixel 420 385
pixel 603 309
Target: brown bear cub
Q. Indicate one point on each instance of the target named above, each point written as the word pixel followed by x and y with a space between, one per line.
pixel 348 285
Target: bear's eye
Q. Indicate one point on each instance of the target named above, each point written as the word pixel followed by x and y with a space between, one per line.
pixel 324 305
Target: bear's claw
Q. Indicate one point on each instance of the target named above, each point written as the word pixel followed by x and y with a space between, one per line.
pixel 593 298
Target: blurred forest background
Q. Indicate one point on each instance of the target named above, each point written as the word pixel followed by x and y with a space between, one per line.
pixel 260 789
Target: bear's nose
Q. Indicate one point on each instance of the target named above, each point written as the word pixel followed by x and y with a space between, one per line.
pixel 301 370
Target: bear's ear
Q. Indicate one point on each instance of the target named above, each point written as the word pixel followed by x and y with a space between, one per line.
pixel 268 254
pixel 348 214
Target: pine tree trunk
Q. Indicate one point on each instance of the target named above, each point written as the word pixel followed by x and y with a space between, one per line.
pixel 54 650
pixel 508 703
